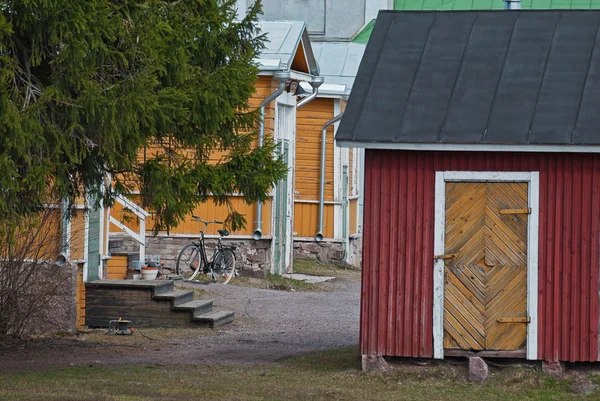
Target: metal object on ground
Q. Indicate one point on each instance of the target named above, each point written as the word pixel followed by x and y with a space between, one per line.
pixel 120 327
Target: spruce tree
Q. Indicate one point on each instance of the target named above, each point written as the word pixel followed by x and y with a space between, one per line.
pixel 85 85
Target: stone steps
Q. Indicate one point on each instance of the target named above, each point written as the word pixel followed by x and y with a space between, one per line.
pixel 149 303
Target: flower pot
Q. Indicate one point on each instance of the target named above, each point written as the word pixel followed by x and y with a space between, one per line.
pixel 149 273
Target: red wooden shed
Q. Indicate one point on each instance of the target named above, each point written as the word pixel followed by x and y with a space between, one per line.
pixel 482 184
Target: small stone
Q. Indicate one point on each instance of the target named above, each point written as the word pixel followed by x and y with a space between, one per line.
pixel 259 257
pixel 336 254
pixel 310 247
pixel 261 244
pixel 374 363
pixel 585 389
pixel 478 370
pixel 554 369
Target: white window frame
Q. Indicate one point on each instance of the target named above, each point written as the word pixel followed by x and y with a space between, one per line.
pixel 532 179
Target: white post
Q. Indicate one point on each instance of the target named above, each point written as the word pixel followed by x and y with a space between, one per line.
pixel 86 237
pixel 143 237
pixel 66 230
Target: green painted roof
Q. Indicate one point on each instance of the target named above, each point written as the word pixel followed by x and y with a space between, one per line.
pixel 419 5
pixel 364 35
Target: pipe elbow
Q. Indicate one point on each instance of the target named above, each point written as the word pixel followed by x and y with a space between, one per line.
pixel 316 82
pixel 319 237
pixel 257 234
pixel 308 99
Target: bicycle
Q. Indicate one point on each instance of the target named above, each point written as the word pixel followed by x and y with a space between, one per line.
pixel 193 258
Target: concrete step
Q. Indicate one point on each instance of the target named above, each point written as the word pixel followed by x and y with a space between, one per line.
pixel 215 318
pixel 154 286
pixel 177 297
pixel 150 303
pixel 197 306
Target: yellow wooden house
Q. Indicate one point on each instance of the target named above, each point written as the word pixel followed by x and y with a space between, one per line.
pixel 266 244
pixel 328 179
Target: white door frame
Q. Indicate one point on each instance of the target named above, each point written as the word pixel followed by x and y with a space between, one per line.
pixel 533 180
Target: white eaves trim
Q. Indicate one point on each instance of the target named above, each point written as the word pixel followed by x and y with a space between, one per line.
pixel 270 64
pixel 326 89
pixel 470 147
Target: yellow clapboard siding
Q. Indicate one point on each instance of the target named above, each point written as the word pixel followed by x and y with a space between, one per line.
pixel 80 298
pixel 310 120
pixel 210 211
pixel 353 216
pixel 306 220
pixel 77 235
pixel 116 267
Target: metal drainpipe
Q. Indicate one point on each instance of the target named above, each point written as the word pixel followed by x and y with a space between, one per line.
pixel 315 83
pixel 282 77
pixel 319 236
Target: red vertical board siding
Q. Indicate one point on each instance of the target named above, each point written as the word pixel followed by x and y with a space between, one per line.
pixel 397 287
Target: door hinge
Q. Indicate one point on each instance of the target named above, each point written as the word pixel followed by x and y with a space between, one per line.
pixel 516 211
pixel 514 320
pixel 449 256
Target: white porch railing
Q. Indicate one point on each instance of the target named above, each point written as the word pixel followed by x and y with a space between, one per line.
pixel 142 215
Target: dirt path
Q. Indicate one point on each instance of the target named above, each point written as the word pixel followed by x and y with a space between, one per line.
pixel 269 325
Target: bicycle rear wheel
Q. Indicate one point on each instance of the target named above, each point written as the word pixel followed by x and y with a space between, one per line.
pixel 189 262
pixel 223 266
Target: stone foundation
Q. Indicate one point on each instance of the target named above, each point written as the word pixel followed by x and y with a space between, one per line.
pixel 330 251
pixel 253 258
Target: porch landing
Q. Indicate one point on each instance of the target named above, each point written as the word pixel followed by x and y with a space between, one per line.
pixel 149 303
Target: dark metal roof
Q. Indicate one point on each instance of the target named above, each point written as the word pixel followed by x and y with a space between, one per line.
pixel 478 77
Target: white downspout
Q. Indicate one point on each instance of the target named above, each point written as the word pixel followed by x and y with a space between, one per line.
pixel 282 77
pixel 319 235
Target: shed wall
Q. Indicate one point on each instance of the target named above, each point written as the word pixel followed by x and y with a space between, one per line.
pixel 397 286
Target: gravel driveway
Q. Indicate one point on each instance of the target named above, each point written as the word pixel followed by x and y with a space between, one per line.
pixel 269 325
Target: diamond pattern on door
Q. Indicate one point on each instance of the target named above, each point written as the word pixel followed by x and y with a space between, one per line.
pixel 487 280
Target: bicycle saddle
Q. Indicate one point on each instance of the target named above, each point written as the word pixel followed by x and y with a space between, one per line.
pixel 224 233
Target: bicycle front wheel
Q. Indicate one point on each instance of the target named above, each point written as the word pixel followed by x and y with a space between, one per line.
pixel 223 266
pixel 189 262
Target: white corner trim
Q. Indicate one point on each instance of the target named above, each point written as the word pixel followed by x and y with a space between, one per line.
pixel 344 143
pixel 438 265
pixel 441 177
pixel 532 265
pixel 86 245
pixel 338 160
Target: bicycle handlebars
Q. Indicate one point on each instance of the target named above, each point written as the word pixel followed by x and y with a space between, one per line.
pixel 196 218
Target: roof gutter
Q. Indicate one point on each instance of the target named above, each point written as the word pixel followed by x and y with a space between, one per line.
pixel 282 77
pixel 316 82
pixel 319 236
pixel 512 4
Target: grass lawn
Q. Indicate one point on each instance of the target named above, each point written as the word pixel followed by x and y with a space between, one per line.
pixel 314 268
pixel 273 282
pixel 301 266
pixel 329 375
